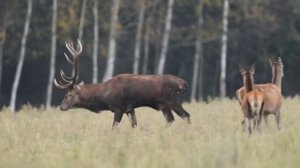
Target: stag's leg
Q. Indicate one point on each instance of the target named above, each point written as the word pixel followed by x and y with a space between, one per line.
pixel 178 109
pixel 278 120
pixel 132 118
pixel 117 118
pixel 168 115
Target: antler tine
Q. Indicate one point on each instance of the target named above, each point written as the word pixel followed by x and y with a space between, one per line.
pixel 79 47
pixel 59 85
pixel 65 77
pixel 68 59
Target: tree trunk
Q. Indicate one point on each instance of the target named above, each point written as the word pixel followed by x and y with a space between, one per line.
pixel 95 47
pixel 146 48
pixel 52 57
pixel 82 19
pixel 224 50
pixel 112 40
pixel 21 59
pixel 198 58
pixel 138 37
pixel 163 54
pixel 2 41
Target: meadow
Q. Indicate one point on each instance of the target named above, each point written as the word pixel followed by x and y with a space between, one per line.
pixel 78 138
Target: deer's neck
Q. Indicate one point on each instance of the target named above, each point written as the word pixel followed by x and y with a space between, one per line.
pixel 248 83
pixel 277 76
pixel 92 98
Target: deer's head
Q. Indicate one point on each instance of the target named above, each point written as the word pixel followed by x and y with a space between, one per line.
pixel 72 96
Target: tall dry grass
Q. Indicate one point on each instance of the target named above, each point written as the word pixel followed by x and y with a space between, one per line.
pixel 78 138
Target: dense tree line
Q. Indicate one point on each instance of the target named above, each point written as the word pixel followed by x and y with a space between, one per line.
pixel 179 37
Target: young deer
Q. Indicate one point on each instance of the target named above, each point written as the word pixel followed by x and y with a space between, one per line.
pixel 253 101
pixel 271 91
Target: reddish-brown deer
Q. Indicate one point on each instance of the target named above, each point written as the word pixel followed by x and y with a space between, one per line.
pixel 252 102
pixel 271 91
pixel 123 93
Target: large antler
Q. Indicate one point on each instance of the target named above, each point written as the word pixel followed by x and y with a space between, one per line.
pixel 68 81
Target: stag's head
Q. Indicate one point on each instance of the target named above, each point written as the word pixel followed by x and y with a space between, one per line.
pixel 71 98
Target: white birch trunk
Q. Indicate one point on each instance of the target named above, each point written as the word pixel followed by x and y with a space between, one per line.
pixel 21 59
pixel 112 40
pixel 82 19
pixel 224 50
pixel 95 46
pixel 146 49
pixel 168 25
pixel 198 58
pixel 52 57
pixel 138 39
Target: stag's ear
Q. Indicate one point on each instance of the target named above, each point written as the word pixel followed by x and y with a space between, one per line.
pixel 81 83
pixel 252 69
pixel 77 88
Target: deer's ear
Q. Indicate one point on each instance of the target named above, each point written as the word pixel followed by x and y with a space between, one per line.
pixel 252 69
pixel 242 69
pixel 77 88
pixel 270 60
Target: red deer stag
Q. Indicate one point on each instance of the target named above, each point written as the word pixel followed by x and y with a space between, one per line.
pixel 271 91
pixel 252 102
pixel 123 93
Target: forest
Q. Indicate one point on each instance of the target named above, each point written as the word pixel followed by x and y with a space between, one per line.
pixel 202 41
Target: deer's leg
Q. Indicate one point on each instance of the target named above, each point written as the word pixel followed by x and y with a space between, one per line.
pixel 260 115
pixel 132 118
pixel 249 126
pixel 243 123
pixel 168 115
pixel 266 120
pixel 278 120
pixel 178 109
pixel 117 118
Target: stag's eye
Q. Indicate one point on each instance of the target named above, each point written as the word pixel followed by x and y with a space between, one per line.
pixel 70 96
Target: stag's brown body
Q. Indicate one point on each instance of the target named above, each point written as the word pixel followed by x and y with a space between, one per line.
pixel 127 91
pixel 123 93
pixel 271 91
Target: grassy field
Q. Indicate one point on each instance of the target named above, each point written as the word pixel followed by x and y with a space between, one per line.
pixel 78 138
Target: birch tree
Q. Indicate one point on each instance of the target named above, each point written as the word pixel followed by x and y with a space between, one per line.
pixel 21 58
pixel 198 58
pixel 224 50
pixel 82 19
pixel 52 57
pixel 112 40
pixel 95 46
pixel 138 37
pixel 165 42
pixel 146 48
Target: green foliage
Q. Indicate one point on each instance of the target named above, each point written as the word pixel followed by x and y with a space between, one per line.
pixel 77 138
